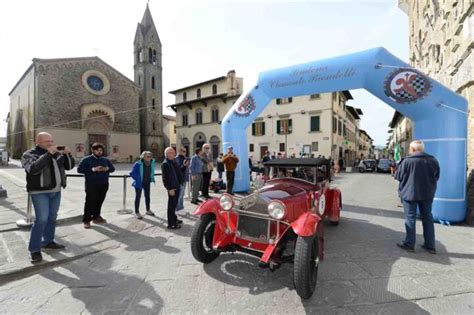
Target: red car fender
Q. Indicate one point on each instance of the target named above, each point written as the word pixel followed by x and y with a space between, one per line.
pixel 220 239
pixel 334 212
pixel 208 206
pixel 271 248
pixel 306 224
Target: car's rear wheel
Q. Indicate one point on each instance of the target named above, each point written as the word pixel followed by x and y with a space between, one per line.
pixel 201 239
pixel 306 265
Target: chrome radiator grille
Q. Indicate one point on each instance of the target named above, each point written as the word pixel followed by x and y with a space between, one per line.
pixel 253 228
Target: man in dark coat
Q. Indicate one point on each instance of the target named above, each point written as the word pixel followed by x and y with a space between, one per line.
pixel 96 169
pixel 418 175
pixel 172 180
pixel 45 167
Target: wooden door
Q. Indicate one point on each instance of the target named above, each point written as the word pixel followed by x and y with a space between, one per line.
pixel 263 150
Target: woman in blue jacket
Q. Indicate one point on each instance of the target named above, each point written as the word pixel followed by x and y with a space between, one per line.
pixel 143 172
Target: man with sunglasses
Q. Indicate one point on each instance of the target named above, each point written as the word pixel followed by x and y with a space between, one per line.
pixel 96 169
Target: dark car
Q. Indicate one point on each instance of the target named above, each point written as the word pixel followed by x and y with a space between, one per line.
pixel 368 165
pixel 384 166
pixel 280 222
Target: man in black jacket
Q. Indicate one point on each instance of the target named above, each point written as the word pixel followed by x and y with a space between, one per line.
pixel 45 175
pixel 172 180
pixel 96 169
pixel 418 175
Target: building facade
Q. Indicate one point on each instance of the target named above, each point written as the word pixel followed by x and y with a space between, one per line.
pixel 199 109
pixel 366 149
pixel 401 132
pixel 85 100
pixel 441 44
pixel 313 125
pixel 79 101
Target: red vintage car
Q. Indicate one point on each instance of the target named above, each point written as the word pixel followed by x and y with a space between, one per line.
pixel 280 222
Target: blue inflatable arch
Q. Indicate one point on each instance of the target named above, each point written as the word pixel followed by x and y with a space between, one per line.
pixel 439 115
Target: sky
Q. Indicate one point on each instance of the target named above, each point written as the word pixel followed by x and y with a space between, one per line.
pixel 203 39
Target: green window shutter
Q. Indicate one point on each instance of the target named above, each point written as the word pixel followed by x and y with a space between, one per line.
pixel 278 127
pixel 253 129
pixel 263 128
pixel 315 123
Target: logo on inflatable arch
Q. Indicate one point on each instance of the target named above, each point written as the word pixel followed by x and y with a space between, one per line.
pixel 246 107
pixel 406 86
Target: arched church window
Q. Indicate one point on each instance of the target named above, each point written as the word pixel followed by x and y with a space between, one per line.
pixel 153 103
pixel 153 59
pixel 198 93
pixel 154 126
pixel 150 55
pixel 214 89
pixel 153 82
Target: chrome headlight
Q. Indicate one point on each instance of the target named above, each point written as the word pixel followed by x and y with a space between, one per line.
pixel 226 202
pixel 276 209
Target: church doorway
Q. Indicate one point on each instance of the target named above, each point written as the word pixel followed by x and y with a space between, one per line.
pixel 102 139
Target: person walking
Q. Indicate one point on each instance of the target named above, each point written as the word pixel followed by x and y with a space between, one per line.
pixel 207 168
pixel 183 163
pixel 220 165
pixel 418 174
pixel 45 167
pixel 143 174
pixel 96 169
pixel 172 180
pixel 195 170
pixel 230 161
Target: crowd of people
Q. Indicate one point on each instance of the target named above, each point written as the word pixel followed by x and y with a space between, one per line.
pixel 46 163
pixel 45 167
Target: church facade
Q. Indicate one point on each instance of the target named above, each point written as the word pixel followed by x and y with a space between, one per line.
pixel 84 100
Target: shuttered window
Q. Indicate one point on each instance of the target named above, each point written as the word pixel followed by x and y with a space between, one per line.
pixel 314 123
pixel 258 128
pixel 284 126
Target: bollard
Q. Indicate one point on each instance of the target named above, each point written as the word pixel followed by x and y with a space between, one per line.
pixel 28 221
pixel 124 209
pixel 189 190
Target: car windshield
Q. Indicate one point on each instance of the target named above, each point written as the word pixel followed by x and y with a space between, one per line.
pixel 369 162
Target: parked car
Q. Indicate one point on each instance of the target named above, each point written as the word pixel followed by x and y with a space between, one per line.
pixel 384 166
pixel 367 166
pixel 280 222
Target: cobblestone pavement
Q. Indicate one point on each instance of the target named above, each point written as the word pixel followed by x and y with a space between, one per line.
pixel 132 266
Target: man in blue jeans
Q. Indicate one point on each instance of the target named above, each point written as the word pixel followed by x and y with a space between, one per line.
pixel 45 175
pixel 418 174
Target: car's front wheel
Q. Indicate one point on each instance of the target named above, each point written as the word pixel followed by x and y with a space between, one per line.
pixel 201 239
pixel 306 265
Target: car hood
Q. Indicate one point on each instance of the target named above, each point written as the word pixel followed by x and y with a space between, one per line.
pixel 284 188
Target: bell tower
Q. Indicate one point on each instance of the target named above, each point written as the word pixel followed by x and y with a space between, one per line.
pixel 148 76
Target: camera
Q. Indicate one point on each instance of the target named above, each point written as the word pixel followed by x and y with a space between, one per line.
pixel 60 147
